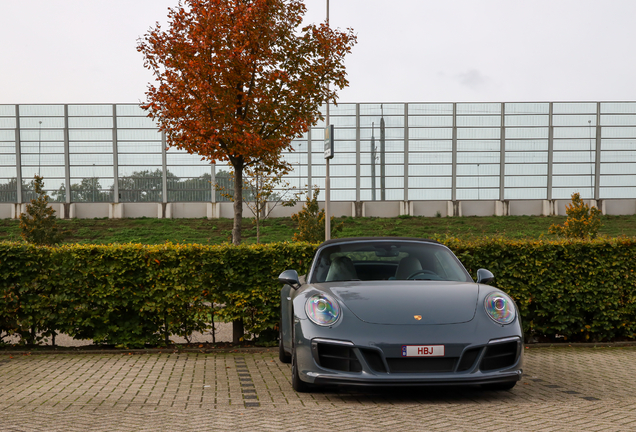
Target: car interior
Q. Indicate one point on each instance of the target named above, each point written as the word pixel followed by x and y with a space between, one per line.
pixel 387 262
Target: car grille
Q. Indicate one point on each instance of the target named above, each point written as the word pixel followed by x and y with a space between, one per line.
pixel 421 365
pixel 499 356
pixel 338 357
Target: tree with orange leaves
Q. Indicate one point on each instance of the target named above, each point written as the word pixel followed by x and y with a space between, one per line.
pixel 237 80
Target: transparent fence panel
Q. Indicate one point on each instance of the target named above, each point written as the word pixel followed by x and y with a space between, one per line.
pixel 492 149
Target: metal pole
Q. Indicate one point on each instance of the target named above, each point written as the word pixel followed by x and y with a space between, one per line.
pixel 502 155
pixel 550 151
pixel 67 162
pixel 454 158
pixel 357 153
pixel 382 157
pixel 164 169
pixel 18 157
pixel 115 158
pixel 373 161
pixel 406 152
pixel 327 180
pixel 589 124
pixel 39 146
pixel 597 166
pixel 213 182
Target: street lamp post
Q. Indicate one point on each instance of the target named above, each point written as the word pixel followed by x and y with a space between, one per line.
pixel 327 179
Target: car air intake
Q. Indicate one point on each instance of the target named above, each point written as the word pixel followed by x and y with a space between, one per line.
pixel 499 356
pixel 374 360
pixel 338 357
pixel 421 365
pixel 468 359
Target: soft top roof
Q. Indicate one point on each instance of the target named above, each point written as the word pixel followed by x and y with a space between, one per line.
pixel 361 239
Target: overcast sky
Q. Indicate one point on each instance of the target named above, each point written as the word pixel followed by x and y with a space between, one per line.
pixel 72 51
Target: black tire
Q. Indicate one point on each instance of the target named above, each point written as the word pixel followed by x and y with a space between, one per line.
pixel 500 386
pixel 297 384
pixel 282 354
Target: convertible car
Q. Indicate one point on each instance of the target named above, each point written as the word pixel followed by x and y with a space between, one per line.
pixel 396 311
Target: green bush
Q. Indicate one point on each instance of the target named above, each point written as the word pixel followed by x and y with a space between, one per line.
pixel 583 221
pixel 39 224
pixel 132 295
pixel 578 289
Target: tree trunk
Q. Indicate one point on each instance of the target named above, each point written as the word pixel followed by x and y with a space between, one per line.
pixel 238 331
pixel 238 202
pixel 237 325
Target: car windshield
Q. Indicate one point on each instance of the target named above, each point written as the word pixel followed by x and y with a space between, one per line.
pixel 387 260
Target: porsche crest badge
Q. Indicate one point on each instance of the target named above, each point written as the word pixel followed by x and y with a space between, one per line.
pixel 417 317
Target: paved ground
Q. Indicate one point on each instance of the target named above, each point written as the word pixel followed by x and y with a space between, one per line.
pixel 565 389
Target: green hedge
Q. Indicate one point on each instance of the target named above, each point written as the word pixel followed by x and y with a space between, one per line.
pixel 578 289
pixel 131 295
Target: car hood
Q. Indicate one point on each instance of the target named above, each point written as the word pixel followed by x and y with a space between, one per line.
pixel 402 302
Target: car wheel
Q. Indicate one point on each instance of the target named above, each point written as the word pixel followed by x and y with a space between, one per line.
pixel 500 386
pixel 297 384
pixel 282 354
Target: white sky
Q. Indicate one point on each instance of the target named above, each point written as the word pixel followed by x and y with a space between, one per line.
pixel 73 51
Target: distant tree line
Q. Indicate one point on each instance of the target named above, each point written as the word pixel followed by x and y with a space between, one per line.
pixel 141 186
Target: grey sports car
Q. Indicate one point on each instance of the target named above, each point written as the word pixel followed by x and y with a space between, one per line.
pixel 397 311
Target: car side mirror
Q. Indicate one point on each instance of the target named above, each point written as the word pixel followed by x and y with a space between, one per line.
pixel 289 277
pixel 485 276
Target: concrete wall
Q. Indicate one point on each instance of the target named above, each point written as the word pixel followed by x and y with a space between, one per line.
pixel 478 208
pixel 525 208
pixel 619 207
pixel 186 210
pixel 89 210
pixel 381 208
pixel 7 211
pixel 137 210
pixel 337 208
pixel 428 208
pixel 281 211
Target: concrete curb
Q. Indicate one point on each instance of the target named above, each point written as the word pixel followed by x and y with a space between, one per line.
pixel 244 350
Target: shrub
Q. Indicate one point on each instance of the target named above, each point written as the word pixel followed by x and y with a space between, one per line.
pixel 39 225
pixel 311 222
pixel 583 221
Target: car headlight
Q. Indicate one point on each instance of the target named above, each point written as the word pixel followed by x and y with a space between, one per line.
pixel 322 309
pixel 500 308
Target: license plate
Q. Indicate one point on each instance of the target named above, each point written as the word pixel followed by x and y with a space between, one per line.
pixel 422 350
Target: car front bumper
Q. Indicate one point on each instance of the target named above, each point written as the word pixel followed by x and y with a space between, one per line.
pixel 326 361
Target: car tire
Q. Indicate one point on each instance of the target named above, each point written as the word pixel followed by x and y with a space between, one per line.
pixel 282 354
pixel 500 386
pixel 297 384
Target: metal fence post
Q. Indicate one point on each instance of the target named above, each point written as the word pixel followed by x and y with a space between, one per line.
pixel 164 169
pixel 18 156
pixel 406 152
pixel 357 153
pixel 115 158
pixel 597 158
pixel 502 155
pixel 67 159
pixel 550 151
pixel 454 156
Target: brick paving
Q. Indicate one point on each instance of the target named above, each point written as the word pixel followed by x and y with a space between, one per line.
pixel 564 389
